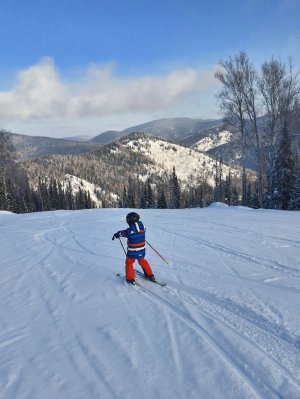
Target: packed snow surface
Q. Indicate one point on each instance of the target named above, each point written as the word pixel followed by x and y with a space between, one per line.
pixel 226 325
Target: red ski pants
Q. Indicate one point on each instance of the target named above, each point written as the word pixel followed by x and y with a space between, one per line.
pixel 129 267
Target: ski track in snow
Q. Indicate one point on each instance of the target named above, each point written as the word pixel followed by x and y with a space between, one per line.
pixel 294 272
pixel 253 327
pixel 225 326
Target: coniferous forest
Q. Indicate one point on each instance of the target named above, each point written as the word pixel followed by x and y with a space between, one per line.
pixel 39 185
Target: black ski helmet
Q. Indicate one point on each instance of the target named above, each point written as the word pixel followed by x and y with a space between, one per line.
pixel 132 217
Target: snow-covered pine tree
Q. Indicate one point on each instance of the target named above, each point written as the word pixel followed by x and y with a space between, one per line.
pixel 6 163
pixel 130 194
pixel 147 197
pixel 151 201
pixel 219 189
pixel 69 197
pixel 162 202
pixel 80 204
pixel 44 195
pixel 295 201
pixel 175 194
pixel 284 172
pixel 228 189
pixel 124 201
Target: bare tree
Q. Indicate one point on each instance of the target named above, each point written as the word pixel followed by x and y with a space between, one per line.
pixel 245 97
pixel 251 98
pixel 290 98
pixel 6 163
pixel 231 99
pixel 279 88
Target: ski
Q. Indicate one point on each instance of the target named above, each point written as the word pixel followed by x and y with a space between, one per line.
pixel 137 272
pixel 123 278
pixel 162 283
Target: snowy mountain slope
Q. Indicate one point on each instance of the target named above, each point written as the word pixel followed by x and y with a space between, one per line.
pixel 207 143
pixel 226 326
pixel 190 164
pixel 210 131
pixel 218 142
pixel 91 188
pixel 137 154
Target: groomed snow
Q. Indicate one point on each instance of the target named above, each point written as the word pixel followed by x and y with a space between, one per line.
pixel 226 326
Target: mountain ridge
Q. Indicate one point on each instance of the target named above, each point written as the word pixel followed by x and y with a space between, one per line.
pixel 28 147
pixel 182 131
pixel 137 156
pixel 175 129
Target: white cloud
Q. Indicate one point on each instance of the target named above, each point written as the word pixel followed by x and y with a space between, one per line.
pixel 40 94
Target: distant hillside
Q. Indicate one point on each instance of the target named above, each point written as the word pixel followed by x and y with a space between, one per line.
pixel 106 137
pixel 191 165
pixel 219 142
pixel 35 146
pixel 138 156
pixel 174 129
pixel 83 138
pixel 211 132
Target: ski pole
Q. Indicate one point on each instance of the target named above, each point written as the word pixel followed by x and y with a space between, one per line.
pixel 157 252
pixel 122 246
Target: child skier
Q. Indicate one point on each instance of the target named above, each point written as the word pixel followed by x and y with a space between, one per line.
pixel 135 247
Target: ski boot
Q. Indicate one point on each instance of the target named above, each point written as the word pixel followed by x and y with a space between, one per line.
pixel 132 282
pixel 151 277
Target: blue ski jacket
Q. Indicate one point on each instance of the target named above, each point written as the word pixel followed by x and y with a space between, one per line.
pixel 135 235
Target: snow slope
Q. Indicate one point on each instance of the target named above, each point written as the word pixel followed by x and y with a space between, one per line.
pixel 189 163
pixel 207 143
pixel 77 182
pixel 226 326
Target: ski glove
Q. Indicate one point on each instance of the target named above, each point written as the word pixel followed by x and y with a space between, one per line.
pixel 116 235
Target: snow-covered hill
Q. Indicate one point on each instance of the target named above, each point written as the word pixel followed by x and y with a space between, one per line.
pixel 207 143
pixel 137 154
pixel 226 325
pixel 190 164
pixel 91 188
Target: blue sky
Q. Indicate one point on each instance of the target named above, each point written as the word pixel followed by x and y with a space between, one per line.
pixel 86 66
